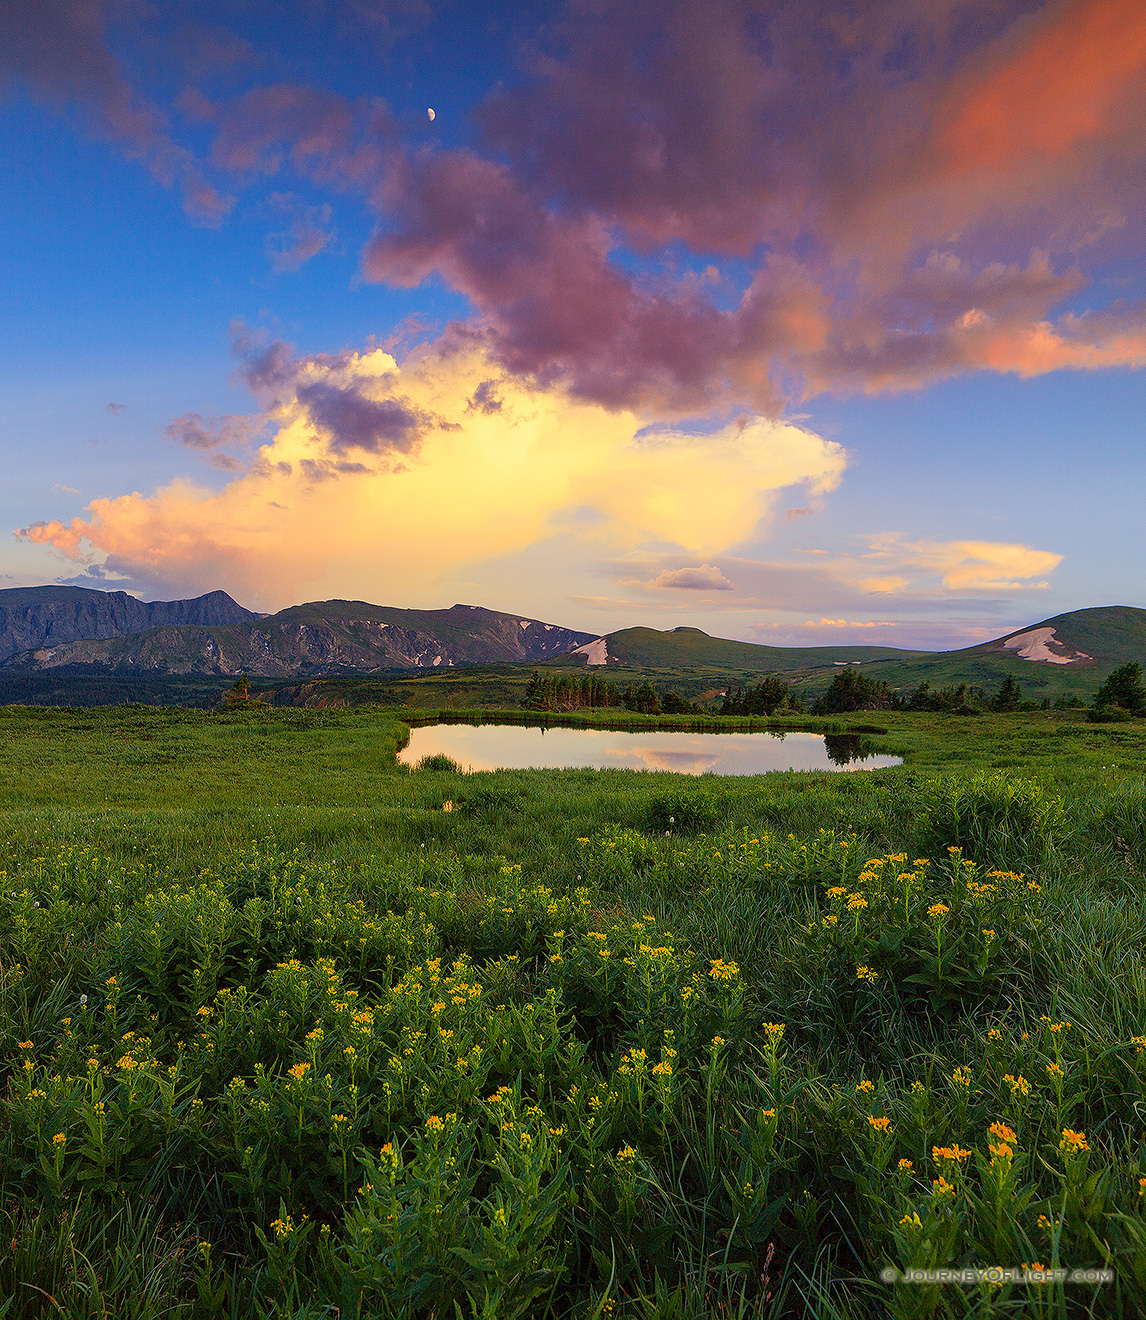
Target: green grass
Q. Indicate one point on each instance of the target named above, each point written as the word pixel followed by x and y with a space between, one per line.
pixel 289 1030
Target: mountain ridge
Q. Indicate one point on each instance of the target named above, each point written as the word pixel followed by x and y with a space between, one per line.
pixel 36 617
pixel 203 638
pixel 312 639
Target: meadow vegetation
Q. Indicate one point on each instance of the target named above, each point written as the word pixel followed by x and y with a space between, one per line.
pixel 287 1029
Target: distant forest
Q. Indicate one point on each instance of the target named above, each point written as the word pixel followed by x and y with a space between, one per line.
pixel 565 692
pixel 851 689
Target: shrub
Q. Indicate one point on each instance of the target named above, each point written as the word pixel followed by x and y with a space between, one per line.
pixel 853 690
pixel 1108 715
pixel 1124 688
pixel 440 763
pixel 683 812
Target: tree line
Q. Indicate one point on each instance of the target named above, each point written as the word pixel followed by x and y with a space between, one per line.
pixel 1122 696
pixel 562 692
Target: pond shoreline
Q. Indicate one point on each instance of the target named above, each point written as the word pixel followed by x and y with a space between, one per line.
pixel 677 745
pixel 623 721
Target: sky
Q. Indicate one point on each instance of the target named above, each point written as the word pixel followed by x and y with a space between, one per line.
pixel 801 324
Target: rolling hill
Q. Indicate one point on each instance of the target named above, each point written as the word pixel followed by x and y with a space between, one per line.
pixel 56 639
pixel 323 637
pixel 1070 652
pixel 688 647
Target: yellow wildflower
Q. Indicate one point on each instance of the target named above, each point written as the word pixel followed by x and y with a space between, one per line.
pixel 1072 1143
pixel 720 970
pixel 953 1154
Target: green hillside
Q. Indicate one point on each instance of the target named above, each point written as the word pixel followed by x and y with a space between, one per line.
pixel 1090 641
pixel 692 648
pixel 1109 634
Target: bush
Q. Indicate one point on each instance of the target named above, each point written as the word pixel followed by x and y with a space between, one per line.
pixel 1006 821
pixel 683 812
pixel 1125 688
pixel 1108 715
pixel 440 763
pixel 852 690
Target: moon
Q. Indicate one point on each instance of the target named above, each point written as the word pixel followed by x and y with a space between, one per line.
pixel 431 116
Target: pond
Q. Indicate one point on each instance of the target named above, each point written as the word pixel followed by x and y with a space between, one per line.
pixel 532 747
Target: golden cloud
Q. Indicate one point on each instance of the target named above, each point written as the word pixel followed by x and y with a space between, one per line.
pixel 384 482
pixel 963 565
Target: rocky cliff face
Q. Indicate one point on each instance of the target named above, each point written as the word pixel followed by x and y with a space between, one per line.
pixel 35 617
pixel 311 640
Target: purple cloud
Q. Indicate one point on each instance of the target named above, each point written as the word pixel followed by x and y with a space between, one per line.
pixel 353 421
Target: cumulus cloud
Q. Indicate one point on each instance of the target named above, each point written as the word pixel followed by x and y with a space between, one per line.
pixel 704 577
pixel 316 505
pixel 669 216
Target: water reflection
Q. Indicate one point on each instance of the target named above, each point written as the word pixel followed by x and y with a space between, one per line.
pixel 679 763
pixel 843 748
pixel 520 747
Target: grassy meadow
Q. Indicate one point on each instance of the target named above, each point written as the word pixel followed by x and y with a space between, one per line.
pixel 290 1030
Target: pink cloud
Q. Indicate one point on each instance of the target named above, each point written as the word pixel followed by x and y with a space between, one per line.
pixel 678 215
pixel 56 50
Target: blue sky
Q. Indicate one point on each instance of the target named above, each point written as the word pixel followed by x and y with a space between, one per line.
pixel 688 327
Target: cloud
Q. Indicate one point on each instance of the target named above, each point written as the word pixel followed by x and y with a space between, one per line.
pixel 704 577
pixel 196 432
pixel 887 572
pixel 849 623
pixel 674 217
pixel 316 507
pixel 984 566
pixel 308 233
pixel 352 420
pixel 57 51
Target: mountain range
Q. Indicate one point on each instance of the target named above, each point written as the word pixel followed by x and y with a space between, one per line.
pixel 323 637
pixel 36 617
pixel 76 631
